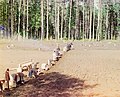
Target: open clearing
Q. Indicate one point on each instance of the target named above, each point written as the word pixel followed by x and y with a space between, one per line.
pixel 92 69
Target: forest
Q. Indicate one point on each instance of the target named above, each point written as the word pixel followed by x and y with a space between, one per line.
pixel 60 19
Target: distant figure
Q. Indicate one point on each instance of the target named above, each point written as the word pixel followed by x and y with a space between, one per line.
pixel 58 48
pixel 34 66
pixel 19 69
pixel 44 66
pixel 7 77
pixel 68 47
pixel 55 55
pixel 49 63
pixel 65 49
pixel 1 88
pixel 31 72
pixel 20 74
pixel 1 85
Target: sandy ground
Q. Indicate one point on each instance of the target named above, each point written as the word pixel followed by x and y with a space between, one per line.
pixel 90 70
pixel 13 53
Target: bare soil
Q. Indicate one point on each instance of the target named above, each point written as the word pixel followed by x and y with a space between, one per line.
pixel 90 70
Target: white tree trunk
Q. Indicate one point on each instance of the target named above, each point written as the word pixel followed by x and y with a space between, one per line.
pixel 24 19
pixel 77 20
pixel 58 24
pixel 27 20
pixel 55 30
pixel 42 20
pixel 90 22
pixel 83 19
pixel 99 21
pixel 93 23
pixel 70 20
pixel 62 17
pixel 12 18
pixel 19 19
pixel 47 19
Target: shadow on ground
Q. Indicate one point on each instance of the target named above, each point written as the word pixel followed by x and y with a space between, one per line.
pixel 51 85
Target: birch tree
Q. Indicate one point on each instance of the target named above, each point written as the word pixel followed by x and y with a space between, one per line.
pixel 77 20
pixel 47 19
pixel 27 21
pixel 69 31
pixel 58 34
pixel 83 19
pixel 42 20
pixel 12 18
pixel 93 34
pixel 62 18
pixel 24 4
pixel 99 21
pixel 90 20
pixel 19 17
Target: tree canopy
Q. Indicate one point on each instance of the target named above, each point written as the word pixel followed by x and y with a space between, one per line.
pixel 60 19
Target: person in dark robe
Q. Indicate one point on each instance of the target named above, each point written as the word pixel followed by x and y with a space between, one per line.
pixel 7 77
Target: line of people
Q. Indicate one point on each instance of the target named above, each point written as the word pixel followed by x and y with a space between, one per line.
pixel 57 54
pixel 33 71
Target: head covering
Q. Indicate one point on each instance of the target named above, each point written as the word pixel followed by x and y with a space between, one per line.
pixel 7 69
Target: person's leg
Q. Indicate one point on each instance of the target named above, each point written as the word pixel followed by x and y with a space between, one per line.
pixel 8 84
pixel 20 77
pixel 34 73
pixel 30 73
pixel 1 86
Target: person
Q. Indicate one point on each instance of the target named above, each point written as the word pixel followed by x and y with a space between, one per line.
pixel 58 51
pixel 1 85
pixel 7 77
pixel 31 71
pixel 69 46
pixel 20 74
pixel 58 48
pixel 55 55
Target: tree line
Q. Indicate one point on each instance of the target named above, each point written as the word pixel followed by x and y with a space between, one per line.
pixel 60 19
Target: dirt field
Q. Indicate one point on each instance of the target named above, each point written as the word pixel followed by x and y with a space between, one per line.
pixel 92 69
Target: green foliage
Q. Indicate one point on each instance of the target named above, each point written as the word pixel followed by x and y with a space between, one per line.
pixel 34 12
pixel 34 15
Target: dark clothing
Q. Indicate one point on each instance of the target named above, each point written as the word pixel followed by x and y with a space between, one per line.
pixel 58 49
pixel 32 72
pixel 69 46
pixel 8 84
pixel 20 77
pixel 1 84
pixel 1 87
pixel 7 77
